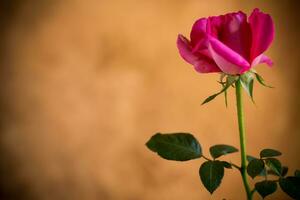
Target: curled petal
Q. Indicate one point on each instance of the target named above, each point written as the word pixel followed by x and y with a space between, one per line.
pixel 227 60
pixel 201 63
pixel 262 59
pixel 185 49
pixel 262 28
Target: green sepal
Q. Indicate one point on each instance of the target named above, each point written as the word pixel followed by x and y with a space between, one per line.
pixel 211 174
pixel 247 81
pixel 210 98
pixel 175 146
pixel 225 94
pixel 261 80
pixel 229 81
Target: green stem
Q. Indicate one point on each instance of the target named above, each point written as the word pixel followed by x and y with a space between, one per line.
pixel 240 114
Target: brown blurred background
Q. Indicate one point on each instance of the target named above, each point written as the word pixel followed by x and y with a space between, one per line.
pixel 84 84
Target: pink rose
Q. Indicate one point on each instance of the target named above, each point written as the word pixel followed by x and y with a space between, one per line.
pixel 228 43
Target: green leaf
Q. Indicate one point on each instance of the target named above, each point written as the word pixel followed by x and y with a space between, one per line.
pixel 291 186
pixel 229 81
pixel 255 167
pixel 247 81
pixel 284 171
pixel 211 174
pixel 297 173
pixel 265 188
pixel 226 164
pixel 221 149
pixel 269 153
pixel 262 81
pixel 175 146
pixel 274 165
pixel 249 158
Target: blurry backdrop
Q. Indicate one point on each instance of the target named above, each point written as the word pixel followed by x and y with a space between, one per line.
pixel 84 84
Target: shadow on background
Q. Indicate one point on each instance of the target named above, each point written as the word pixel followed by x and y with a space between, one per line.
pixel 10 186
pixel 84 85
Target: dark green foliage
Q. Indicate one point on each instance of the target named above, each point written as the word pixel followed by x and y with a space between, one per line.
pixel 255 167
pixel 184 146
pixel 221 149
pixel 265 188
pixel 284 171
pixel 211 174
pixel 226 164
pixel 274 165
pixel 249 158
pixel 175 146
pixel 265 153
pixel 291 186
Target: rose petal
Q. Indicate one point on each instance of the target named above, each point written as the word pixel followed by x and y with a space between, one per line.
pixel 201 63
pixel 236 33
pixel 262 59
pixel 185 49
pixel 198 31
pixel 262 28
pixel 227 60
pixel 233 30
pixel 214 25
pixel 206 65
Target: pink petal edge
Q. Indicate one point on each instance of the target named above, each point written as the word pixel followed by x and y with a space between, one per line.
pixel 262 28
pixel 228 60
pixel 262 59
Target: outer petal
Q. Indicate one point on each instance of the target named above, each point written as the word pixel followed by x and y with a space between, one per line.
pixel 262 59
pixel 228 60
pixel 262 28
pixel 198 32
pixel 200 62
